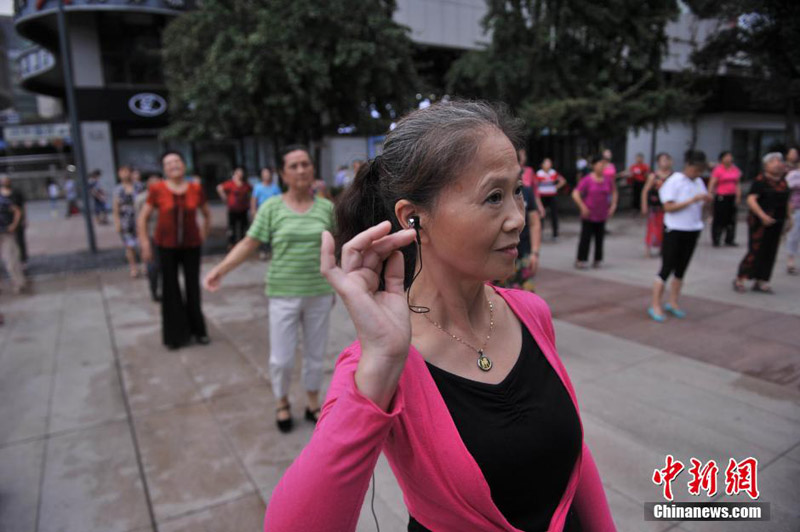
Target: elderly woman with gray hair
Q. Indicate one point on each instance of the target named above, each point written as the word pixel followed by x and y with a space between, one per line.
pixel 768 201
pixel 482 438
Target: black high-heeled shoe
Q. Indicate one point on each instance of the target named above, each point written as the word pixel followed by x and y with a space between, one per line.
pixel 312 415
pixel 284 425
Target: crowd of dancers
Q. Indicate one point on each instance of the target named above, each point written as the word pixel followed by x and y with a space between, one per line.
pixel 287 221
pixel 675 204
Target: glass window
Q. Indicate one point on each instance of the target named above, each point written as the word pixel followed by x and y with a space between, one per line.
pixel 130 44
pixel 750 145
pixel 140 153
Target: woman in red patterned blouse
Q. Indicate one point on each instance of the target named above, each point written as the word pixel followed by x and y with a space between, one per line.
pixel 178 238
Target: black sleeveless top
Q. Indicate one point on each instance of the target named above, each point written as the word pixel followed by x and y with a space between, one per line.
pixel 653 198
pixel 524 433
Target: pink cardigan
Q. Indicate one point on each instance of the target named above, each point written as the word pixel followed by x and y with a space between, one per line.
pixel 443 487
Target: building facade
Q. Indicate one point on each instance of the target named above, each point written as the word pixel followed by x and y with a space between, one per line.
pixel 34 140
pixel 121 97
pixel 731 119
pixel 5 74
pixel 122 101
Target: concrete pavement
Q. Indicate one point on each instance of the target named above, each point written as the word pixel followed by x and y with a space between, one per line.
pixel 60 245
pixel 103 429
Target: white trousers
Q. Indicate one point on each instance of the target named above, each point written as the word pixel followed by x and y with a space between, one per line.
pixel 10 253
pixel 285 314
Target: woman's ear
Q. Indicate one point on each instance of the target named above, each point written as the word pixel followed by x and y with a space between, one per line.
pixel 403 210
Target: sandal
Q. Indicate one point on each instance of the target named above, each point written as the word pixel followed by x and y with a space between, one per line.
pixel 313 415
pixel 678 313
pixel 284 425
pixel 763 289
pixel 659 318
pixel 738 286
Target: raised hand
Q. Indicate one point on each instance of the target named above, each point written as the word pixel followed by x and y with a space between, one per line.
pixel 381 318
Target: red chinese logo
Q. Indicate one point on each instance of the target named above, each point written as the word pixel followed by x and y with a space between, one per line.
pixel 704 478
pixel 667 475
pixel 741 476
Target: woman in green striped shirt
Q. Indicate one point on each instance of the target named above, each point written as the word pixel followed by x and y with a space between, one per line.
pixel 292 224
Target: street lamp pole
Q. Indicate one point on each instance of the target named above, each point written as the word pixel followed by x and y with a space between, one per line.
pixel 72 109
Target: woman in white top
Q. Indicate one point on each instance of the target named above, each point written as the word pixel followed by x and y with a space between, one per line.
pixel 549 182
pixel 683 195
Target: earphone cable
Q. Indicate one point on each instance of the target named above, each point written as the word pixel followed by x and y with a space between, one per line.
pixel 415 308
pixel 372 503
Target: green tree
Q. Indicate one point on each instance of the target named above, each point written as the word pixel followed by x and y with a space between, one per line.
pixel 576 66
pixel 761 45
pixel 291 70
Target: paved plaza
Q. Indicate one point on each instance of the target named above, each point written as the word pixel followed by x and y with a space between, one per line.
pixel 102 429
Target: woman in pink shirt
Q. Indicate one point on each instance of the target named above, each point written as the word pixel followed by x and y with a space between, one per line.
pixel 726 189
pixel 609 171
pixel 596 196
pixel 456 381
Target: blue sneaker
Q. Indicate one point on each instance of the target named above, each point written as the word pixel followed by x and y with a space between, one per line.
pixel 678 313
pixel 654 316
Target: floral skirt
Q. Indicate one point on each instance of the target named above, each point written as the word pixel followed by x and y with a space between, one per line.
pixel 655 227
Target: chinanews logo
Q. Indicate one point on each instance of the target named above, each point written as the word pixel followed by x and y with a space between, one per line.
pixel 147 104
pixel 740 477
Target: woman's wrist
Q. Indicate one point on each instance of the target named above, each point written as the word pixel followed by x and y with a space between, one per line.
pixel 224 267
pixel 377 377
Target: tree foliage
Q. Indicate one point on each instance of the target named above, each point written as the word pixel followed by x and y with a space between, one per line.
pixel 761 43
pixel 290 70
pixel 576 66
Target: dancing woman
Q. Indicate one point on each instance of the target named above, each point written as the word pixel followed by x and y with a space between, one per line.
pixel 726 189
pixel 178 238
pixel 683 195
pixel 651 203
pixel 770 212
pixel 292 224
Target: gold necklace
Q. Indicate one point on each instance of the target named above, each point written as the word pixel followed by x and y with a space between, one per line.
pixel 483 361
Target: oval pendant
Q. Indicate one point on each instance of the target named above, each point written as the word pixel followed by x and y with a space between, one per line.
pixel 483 362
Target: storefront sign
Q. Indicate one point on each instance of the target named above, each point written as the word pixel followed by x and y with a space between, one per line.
pixel 147 104
pixel 35 134
pixel 144 109
pixel 34 62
